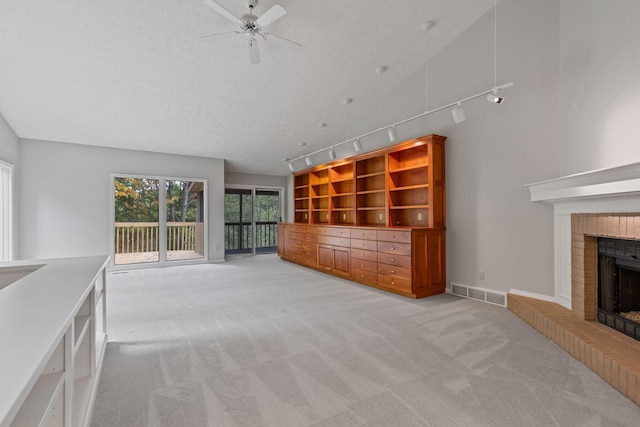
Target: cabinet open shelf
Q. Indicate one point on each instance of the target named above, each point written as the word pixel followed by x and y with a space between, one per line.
pixel 80 326
pixel 409 187
pixel 400 186
pixel 369 175
pixel 43 396
pixel 408 168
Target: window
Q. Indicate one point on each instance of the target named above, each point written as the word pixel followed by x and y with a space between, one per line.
pixel 6 211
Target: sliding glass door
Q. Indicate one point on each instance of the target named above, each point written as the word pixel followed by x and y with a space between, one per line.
pixel 148 231
pixel 251 220
pixel 185 224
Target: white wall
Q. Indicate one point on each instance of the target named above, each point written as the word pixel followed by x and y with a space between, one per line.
pixel 491 224
pixel 65 190
pixel 599 83
pixel 254 180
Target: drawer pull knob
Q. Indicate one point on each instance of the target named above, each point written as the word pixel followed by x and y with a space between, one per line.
pixel 362 275
pixel 393 260
pixel 393 271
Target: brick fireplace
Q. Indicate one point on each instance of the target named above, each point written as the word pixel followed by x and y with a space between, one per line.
pixel 586 206
pixel 585 229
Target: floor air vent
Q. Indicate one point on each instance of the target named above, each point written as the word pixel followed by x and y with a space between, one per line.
pixel 479 294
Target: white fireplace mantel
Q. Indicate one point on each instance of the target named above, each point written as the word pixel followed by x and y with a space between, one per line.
pixel 610 190
pixel 619 181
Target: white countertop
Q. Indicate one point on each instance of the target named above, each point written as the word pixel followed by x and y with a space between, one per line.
pixel 35 312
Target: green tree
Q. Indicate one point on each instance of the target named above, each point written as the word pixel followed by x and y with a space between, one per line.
pixel 136 199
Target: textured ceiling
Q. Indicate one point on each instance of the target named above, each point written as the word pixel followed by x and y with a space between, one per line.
pixel 138 75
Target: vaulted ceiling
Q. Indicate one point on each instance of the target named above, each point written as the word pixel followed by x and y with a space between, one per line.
pixel 138 75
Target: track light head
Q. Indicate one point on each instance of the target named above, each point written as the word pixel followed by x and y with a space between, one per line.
pixel 494 98
pixel 357 145
pixel 332 153
pixel 308 161
pixel 393 135
pixel 291 167
pixel 458 114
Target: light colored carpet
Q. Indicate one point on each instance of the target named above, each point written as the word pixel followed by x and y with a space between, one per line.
pixel 261 342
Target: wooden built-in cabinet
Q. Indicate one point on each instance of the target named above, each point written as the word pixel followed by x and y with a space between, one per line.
pixel 377 218
pixel 400 186
pixel 409 261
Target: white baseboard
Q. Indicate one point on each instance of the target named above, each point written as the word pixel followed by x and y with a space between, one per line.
pixel 533 295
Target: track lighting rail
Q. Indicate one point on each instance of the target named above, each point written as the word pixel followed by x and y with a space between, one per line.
pixel 493 90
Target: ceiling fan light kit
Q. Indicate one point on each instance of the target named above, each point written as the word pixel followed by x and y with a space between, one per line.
pixel 253 27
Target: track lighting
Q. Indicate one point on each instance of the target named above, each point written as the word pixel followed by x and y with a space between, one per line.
pixel 393 135
pixel 291 167
pixel 458 113
pixel 332 153
pixel 493 97
pixel 308 161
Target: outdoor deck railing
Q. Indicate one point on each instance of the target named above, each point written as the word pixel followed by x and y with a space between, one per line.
pixel 135 237
pixel 237 235
pixel 138 237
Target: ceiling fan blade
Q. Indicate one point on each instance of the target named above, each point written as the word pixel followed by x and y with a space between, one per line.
pixel 222 11
pixel 254 53
pixel 271 15
pixel 222 35
pixel 281 41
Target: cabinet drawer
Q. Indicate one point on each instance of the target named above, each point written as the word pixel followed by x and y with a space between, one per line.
pixel 301 229
pixel 393 259
pixel 308 261
pixel 368 245
pixel 394 236
pixel 333 231
pixel 364 233
pixel 395 271
pixel 361 264
pixel 335 241
pixel 305 237
pixel 302 258
pixel 363 276
pixel 294 243
pixel 364 255
pixel 392 282
pixel 395 248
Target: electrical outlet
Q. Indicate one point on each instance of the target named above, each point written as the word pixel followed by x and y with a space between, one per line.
pixel 344 216
pixel 380 217
pixel 419 216
pixel 481 275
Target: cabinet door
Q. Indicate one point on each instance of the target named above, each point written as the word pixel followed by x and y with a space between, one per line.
pixel 325 257
pixel 341 260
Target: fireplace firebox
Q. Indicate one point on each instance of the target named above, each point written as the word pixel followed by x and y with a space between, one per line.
pixel 619 285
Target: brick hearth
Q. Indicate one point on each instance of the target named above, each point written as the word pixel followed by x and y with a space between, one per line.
pixel 610 354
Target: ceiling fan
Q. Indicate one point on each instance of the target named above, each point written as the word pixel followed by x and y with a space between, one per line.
pixel 253 27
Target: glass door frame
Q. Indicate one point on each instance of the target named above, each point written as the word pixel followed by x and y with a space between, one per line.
pixel 6 210
pixel 254 189
pixel 162 222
